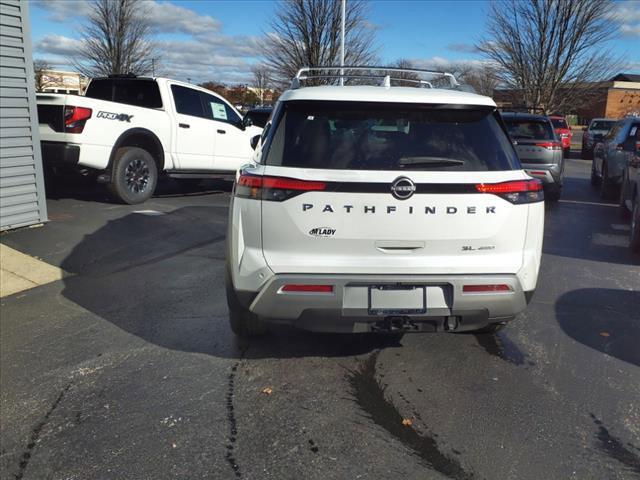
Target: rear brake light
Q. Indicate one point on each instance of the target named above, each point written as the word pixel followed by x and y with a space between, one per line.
pixel 550 145
pixel 486 288
pixel 307 288
pixel 274 188
pixel 75 118
pixel 517 191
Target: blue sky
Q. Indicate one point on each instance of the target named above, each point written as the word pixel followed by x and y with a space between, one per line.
pixel 218 40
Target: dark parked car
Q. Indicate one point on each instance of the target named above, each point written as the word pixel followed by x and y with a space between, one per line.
pixel 634 240
pixel 611 159
pixel 594 133
pixel 257 116
pixel 539 149
pixel 629 190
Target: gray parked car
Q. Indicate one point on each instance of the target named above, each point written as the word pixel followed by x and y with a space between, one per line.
pixel 611 159
pixel 594 133
pixel 630 189
pixel 539 149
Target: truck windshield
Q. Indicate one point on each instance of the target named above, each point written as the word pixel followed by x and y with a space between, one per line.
pixel 131 91
pixel 359 136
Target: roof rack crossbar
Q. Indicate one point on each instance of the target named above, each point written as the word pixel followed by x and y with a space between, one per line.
pixel 306 73
pixel 385 79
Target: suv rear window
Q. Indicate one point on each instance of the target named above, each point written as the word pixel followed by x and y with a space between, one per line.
pixel 405 137
pixel 530 130
pixel 131 91
pixel 559 123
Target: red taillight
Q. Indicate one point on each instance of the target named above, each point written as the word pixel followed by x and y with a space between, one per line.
pixel 517 191
pixel 274 188
pixel 307 288
pixel 75 118
pixel 486 288
pixel 550 145
pixel 536 172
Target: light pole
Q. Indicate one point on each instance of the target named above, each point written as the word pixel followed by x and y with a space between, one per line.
pixel 344 9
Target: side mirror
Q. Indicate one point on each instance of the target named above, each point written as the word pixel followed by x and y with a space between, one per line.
pixel 247 122
pixel 254 141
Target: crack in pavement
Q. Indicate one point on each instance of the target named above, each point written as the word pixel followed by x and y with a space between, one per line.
pixel 35 434
pixel 370 396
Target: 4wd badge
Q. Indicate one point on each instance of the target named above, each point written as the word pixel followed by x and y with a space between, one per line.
pixel 322 232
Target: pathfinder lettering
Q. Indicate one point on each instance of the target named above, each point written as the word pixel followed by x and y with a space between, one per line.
pixel 390 209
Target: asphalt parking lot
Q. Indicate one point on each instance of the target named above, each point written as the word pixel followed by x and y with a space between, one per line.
pixel 127 368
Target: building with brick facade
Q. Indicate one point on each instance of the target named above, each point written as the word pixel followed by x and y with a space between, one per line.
pixel 615 98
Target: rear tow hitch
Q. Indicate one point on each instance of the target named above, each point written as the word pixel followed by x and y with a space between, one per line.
pixel 395 323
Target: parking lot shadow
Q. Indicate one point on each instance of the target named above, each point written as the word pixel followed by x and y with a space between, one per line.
pixel 606 320
pixel 87 189
pixel 161 278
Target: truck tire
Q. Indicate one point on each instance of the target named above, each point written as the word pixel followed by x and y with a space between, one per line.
pixel 134 175
pixel 242 321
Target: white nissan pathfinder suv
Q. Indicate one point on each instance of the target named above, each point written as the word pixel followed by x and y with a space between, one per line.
pixel 385 209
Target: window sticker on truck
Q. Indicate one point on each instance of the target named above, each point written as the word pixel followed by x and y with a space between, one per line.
pixel 123 117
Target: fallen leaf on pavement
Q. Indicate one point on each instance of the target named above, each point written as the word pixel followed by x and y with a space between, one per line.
pixel 267 390
pixel 407 422
pixel 604 334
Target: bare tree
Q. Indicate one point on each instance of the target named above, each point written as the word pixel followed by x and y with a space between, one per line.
pixel 42 80
pixel 307 33
pixel 483 78
pixel 261 79
pixel 116 40
pixel 551 53
pixel 404 78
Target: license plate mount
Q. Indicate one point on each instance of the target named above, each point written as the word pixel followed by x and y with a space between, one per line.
pixel 397 299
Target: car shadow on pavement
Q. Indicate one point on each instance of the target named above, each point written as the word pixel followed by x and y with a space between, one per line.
pixel 606 320
pixel 78 187
pixel 161 278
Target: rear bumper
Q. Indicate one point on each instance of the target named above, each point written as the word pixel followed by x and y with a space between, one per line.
pixel 346 309
pixel 547 173
pixel 60 153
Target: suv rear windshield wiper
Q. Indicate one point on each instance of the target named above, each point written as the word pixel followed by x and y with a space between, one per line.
pixel 428 162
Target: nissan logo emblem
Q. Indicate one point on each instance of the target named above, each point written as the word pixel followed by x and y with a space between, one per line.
pixel 402 188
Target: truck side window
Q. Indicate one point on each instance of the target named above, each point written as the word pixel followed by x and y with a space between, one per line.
pixel 216 109
pixel 187 101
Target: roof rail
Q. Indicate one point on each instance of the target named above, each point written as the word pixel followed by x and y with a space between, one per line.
pixel 385 76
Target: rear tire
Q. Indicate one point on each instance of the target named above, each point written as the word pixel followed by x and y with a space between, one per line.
pixel 595 180
pixel 242 321
pixel 134 175
pixel 625 214
pixel 553 193
pixel 634 239
pixel 607 186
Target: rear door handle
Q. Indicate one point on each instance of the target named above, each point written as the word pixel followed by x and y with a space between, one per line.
pixel 222 131
pixel 184 125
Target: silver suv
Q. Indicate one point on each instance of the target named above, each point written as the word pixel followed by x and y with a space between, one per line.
pixel 539 150
pixel 376 208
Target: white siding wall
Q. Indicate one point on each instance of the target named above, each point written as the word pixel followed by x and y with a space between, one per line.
pixel 22 197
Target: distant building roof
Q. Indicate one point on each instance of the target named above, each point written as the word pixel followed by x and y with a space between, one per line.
pixel 626 77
